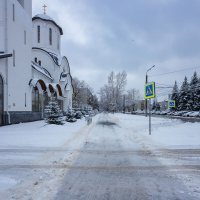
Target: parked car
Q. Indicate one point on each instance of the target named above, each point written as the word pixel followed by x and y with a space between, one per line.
pixel 157 112
pixel 187 114
pixel 163 112
pixel 171 113
pixel 176 114
pixel 153 112
pixel 181 113
pixel 194 114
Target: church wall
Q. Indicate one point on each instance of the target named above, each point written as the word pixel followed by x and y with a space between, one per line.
pixel 28 7
pixel 68 101
pixel 2 26
pixel 48 63
pixel 3 66
pixel 16 70
pixel 46 60
pixel 44 37
pixel 19 70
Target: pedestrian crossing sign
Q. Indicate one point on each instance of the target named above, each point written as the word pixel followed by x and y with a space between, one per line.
pixel 149 90
pixel 171 104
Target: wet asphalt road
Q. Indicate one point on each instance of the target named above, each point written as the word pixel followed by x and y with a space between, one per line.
pixel 114 166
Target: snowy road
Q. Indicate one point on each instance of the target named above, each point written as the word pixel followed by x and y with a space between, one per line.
pixel 113 159
pixel 116 164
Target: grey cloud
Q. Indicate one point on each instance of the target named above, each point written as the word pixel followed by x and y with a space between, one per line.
pixel 129 35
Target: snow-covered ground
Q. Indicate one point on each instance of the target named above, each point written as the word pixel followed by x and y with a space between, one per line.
pixel 168 133
pixel 32 154
pixel 25 145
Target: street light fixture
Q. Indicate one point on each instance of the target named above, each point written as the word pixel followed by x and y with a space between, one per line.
pixel 146 83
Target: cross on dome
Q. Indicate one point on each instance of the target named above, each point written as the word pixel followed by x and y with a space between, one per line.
pixel 44 6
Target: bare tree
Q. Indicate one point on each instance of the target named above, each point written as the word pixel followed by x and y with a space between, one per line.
pixel 111 94
pixel 131 99
pixel 120 87
pixel 83 95
pixel 77 95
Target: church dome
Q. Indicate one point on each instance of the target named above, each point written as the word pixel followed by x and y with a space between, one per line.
pixel 45 17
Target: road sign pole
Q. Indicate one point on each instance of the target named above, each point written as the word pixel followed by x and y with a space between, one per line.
pixel 150 94
pixel 149 116
pixel 146 99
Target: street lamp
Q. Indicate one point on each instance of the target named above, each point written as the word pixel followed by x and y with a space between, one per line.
pixel 146 83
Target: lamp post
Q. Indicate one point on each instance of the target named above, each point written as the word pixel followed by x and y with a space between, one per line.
pixel 146 83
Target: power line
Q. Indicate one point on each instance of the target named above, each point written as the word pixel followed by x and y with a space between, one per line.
pixel 174 71
pixel 161 84
pixel 164 87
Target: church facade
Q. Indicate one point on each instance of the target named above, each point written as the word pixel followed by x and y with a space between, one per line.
pixel 32 68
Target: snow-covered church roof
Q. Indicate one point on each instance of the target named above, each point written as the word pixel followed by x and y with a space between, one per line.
pixel 41 70
pixel 45 17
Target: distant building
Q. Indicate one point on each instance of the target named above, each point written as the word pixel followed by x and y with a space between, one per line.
pixel 140 105
pixel 31 66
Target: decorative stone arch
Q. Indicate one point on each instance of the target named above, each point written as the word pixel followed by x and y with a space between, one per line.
pixel 65 64
pixel 39 83
pixel 52 89
pixel 1 99
pixel 68 85
pixel 59 90
pixel 38 89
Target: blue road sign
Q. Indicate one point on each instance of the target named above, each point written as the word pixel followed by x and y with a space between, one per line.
pixel 171 104
pixel 149 92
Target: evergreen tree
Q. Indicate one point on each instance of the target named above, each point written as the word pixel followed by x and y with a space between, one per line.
pixel 197 96
pixel 194 93
pixel 53 113
pixel 184 96
pixel 175 95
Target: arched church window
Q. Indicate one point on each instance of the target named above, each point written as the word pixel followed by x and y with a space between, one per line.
pixel 13 58
pixel 13 12
pixel 35 100
pixel 50 36
pixel 1 100
pixel 38 34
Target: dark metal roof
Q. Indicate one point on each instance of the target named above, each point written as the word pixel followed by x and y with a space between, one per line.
pixel 5 55
pixel 49 20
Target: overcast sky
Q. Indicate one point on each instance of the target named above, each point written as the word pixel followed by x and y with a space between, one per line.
pixel 131 35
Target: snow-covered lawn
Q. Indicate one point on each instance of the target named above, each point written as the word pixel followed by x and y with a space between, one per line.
pixel 166 133
pixel 37 134
pixel 35 143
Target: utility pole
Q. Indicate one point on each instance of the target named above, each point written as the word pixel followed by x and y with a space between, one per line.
pixel 149 116
pixel 146 99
